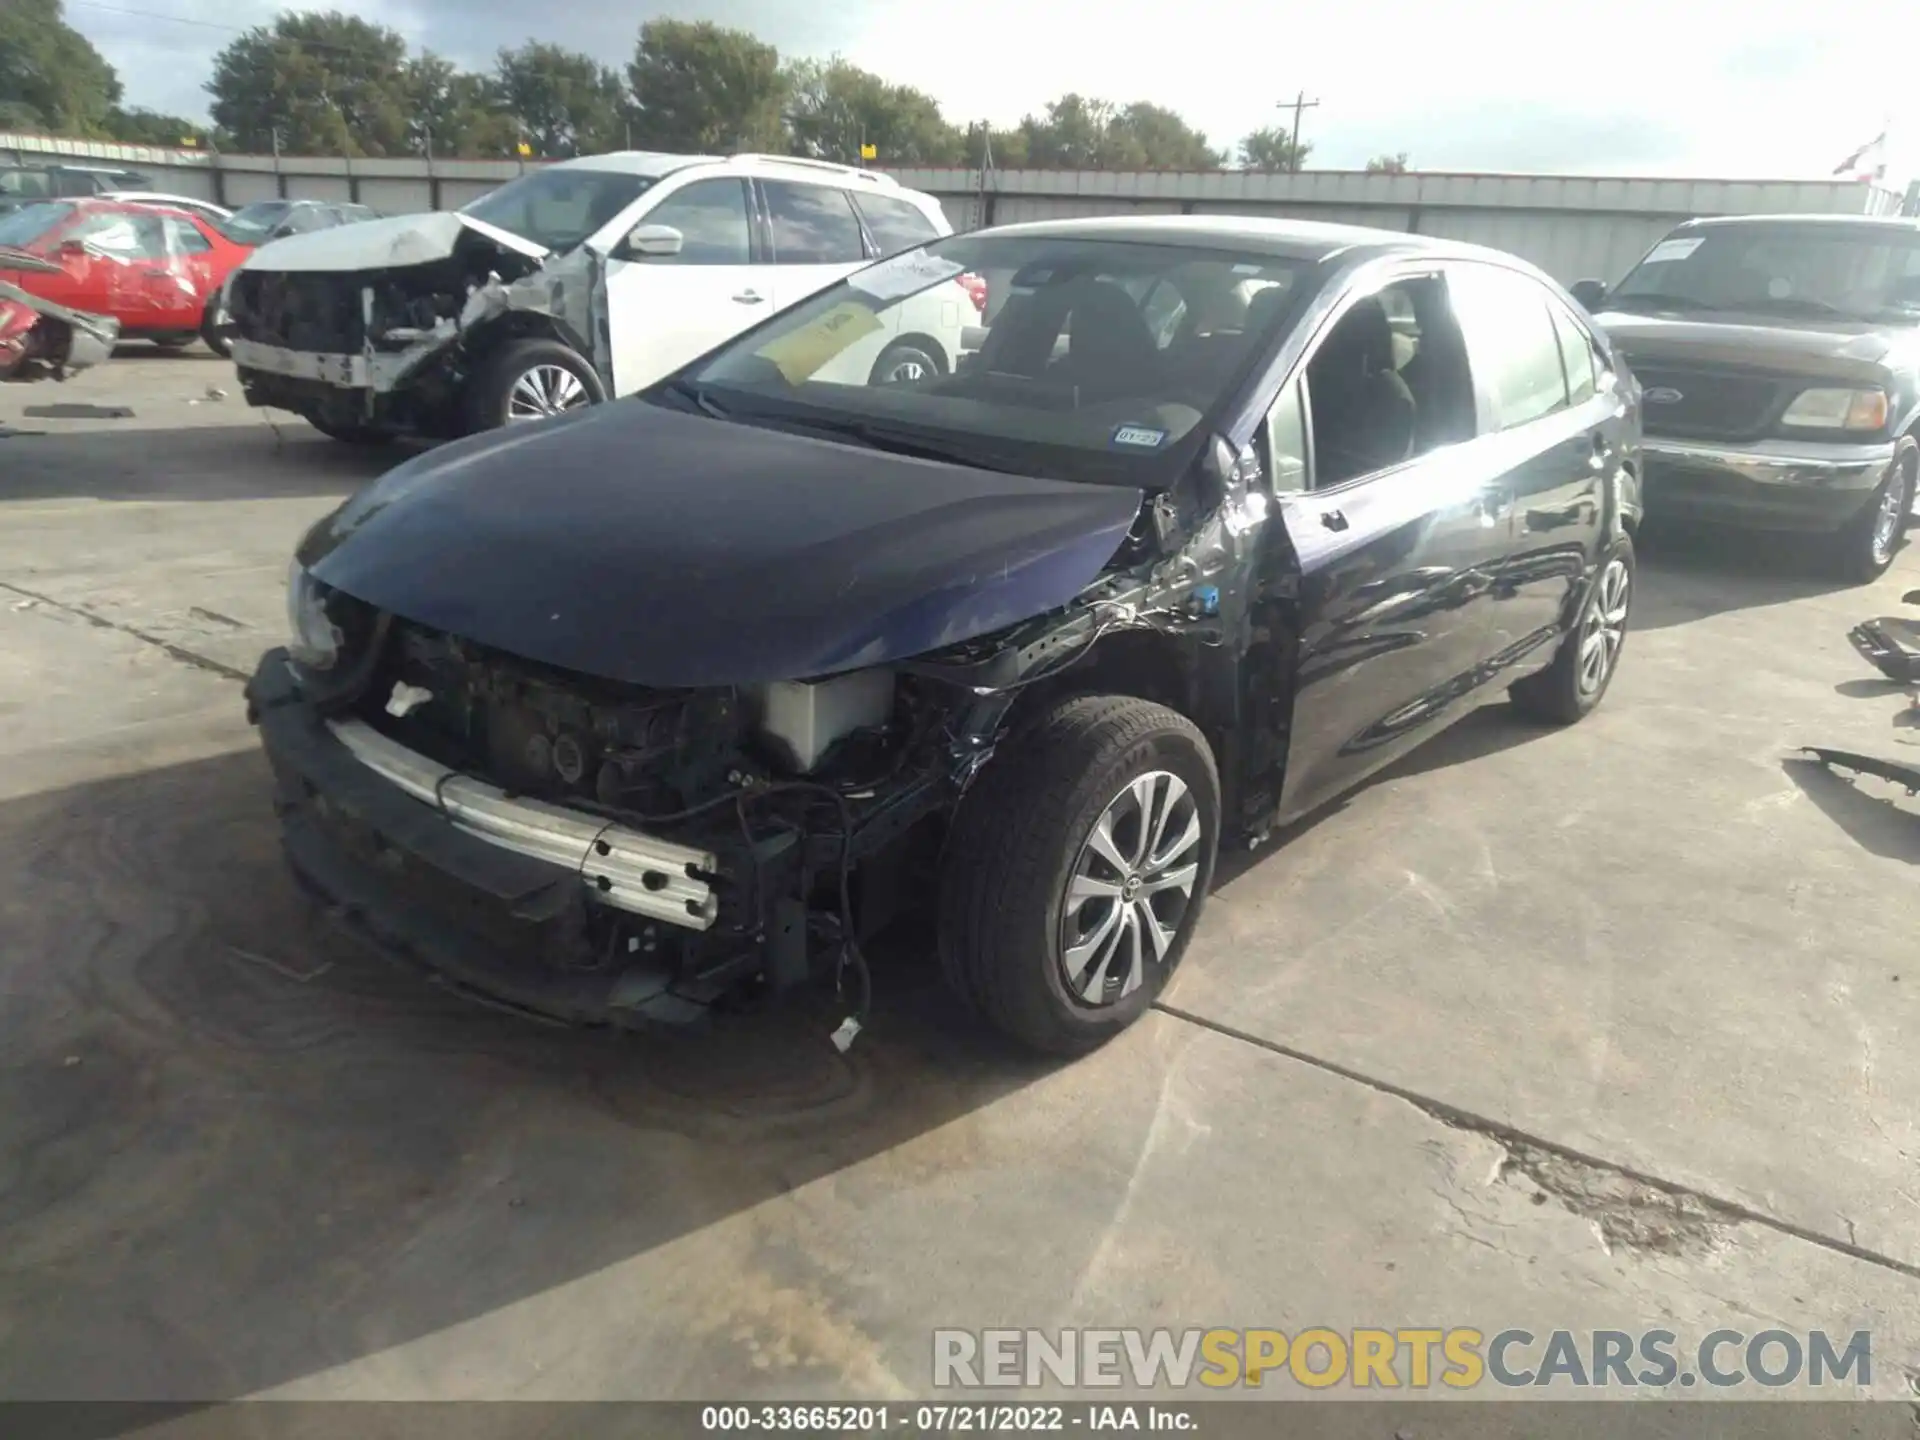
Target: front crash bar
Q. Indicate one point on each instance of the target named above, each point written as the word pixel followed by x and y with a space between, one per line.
pixel 621 867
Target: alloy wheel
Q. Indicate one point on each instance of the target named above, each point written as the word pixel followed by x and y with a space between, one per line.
pixel 1130 888
pixel 1887 520
pixel 906 370
pixel 1605 627
pixel 542 391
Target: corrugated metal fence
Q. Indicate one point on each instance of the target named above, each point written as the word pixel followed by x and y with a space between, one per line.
pixel 1570 226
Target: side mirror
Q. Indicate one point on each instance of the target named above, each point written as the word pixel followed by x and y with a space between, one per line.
pixel 1591 294
pixel 654 241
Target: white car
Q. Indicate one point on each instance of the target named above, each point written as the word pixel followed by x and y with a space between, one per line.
pixel 205 209
pixel 576 283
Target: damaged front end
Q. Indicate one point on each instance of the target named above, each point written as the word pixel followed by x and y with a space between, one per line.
pixel 379 325
pixel 641 850
pixel 38 337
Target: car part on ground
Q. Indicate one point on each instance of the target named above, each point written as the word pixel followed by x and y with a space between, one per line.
pixel 670 705
pixel 1898 773
pixel 38 336
pixel 1891 645
pixel 1779 365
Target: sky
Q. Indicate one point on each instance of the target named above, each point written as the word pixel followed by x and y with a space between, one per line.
pixel 1642 87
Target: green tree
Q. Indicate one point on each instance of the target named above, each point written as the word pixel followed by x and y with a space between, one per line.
pixel 1085 134
pixel 700 87
pixel 1272 149
pixel 455 113
pixel 567 103
pixel 138 126
pixel 998 149
pixel 834 107
pixel 51 78
pixel 329 83
pixel 1388 164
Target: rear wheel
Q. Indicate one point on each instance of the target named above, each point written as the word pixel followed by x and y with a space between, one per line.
pixel 1076 870
pixel 531 380
pixel 1583 668
pixel 905 362
pixel 1867 545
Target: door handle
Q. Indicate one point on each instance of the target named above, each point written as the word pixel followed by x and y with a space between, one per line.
pixel 1333 519
pixel 749 297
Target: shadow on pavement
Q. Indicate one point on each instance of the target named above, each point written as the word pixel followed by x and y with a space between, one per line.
pixel 136 460
pixel 236 1150
pixel 1691 573
pixel 1865 809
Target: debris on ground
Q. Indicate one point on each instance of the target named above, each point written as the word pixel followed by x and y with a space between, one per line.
pixel 78 412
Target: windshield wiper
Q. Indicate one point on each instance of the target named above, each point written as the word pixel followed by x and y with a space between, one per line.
pixel 1794 305
pixel 895 442
pixel 687 390
pixel 1659 298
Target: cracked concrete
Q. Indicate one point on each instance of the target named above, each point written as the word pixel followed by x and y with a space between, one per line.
pixel 1579 1031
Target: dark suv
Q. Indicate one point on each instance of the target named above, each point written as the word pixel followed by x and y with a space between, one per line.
pixel 1780 363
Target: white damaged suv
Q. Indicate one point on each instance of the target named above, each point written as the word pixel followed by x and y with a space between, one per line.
pixel 575 283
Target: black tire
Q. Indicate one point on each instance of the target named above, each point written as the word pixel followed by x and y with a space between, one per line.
pixel 1862 551
pixel 1023 830
pixel 490 399
pixel 906 361
pixel 350 434
pixel 171 344
pixel 1564 692
pixel 215 332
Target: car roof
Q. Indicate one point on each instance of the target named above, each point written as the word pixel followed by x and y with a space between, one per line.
pixel 655 165
pixel 1886 224
pixel 1248 234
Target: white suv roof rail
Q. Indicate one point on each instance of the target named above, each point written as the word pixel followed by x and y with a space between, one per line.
pixel 872 177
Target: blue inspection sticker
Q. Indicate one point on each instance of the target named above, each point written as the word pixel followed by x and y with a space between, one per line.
pixel 1140 437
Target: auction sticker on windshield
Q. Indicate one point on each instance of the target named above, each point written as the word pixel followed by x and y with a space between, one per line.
pixel 903 275
pixel 800 353
pixel 1140 437
pixel 1676 249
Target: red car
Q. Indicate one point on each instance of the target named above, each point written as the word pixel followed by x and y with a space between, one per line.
pixel 159 272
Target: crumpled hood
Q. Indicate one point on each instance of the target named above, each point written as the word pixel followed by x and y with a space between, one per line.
pixel 644 545
pixel 382 244
pixel 1793 346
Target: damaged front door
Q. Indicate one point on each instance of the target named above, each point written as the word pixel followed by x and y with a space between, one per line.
pixel 664 310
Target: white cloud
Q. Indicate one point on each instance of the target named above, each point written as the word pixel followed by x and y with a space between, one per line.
pixel 1633 86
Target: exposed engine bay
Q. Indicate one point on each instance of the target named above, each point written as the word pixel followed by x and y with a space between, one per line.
pixel 389 338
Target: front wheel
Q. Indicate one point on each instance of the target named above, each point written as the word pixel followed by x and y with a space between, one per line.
pixel 216 329
pixel 531 380
pixel 1076 870
pixel 1866 546
pixel 1583 667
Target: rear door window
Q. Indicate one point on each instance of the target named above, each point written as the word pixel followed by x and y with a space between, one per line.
pixel 1511 343
pixel 895 225
pixel 812 224
pixel 1577 356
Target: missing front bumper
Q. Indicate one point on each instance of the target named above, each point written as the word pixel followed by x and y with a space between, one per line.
pixel 501 923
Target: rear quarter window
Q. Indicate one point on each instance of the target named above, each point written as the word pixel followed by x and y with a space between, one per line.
pixel 895 225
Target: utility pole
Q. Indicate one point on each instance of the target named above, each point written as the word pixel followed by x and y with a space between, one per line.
pixel 1300 103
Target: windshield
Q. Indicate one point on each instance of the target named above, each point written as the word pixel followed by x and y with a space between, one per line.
pixel 1102 359
pixel 1852 272
pixel 257 219
pixel 559 208
pixel 30 223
